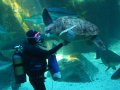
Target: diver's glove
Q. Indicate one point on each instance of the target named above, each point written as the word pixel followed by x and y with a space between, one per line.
pixel 65 42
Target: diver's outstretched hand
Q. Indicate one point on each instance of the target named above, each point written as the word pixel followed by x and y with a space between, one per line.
pixel 65 42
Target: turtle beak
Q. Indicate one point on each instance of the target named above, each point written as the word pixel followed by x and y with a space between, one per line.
pixel 47 30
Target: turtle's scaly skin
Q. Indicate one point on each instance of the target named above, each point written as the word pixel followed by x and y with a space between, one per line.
pixel 83 27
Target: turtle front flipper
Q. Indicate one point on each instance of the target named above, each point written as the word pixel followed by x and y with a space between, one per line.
pixel 99 43
pixel 47 19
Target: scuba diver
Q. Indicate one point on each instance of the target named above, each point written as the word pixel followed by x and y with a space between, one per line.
pixel 34 58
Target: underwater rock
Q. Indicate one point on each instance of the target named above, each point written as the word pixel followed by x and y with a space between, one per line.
pixel 78 70
pixel 72 72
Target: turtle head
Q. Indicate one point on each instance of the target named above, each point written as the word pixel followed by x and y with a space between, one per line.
pixel 50 29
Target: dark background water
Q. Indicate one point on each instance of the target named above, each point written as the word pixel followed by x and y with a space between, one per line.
pixel 104 13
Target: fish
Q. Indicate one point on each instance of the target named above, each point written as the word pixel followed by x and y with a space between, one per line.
pixel 109 58
pixel 71 28
pixel 116 75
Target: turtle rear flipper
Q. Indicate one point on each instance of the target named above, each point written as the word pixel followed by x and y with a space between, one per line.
pixel 99 43
pixel 98 56
pixel 114 68
pixel 108 68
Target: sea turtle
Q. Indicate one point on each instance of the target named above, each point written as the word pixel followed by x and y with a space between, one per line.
pixel 71 28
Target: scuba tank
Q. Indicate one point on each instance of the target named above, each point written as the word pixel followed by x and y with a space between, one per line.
pixel 19 72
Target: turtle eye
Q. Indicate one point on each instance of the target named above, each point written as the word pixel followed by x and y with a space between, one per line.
pixel 47 31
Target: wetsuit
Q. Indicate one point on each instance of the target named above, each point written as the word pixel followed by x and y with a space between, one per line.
pixel 35 64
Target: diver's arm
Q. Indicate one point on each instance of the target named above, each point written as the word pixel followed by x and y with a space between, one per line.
pixel 55 49
pixel 40 52
pixel 46 53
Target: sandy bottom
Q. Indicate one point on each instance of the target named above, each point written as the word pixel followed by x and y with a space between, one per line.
pixel 101 81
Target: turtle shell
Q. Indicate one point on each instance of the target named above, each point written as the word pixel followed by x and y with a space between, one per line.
pixel 83 29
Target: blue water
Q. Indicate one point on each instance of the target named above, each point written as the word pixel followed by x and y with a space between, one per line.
pixel 83 71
